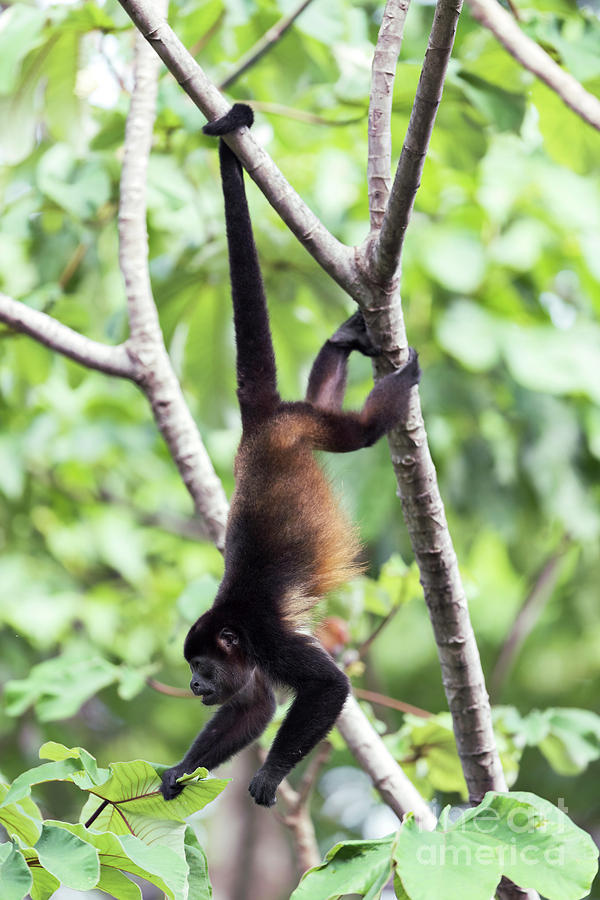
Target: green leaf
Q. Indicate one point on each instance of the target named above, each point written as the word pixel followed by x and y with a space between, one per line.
pixel 136 805
pixel 79 188
pixel 44 884
pixel 572 739
pixel 15 876
pixel 52 771
pixel 197 597
pixel 434 864
pixel 73 861
pixel 470 334
pixel 198 883
pixel 581 152
pixel 117 885
pixel 454 258
pixel 20 28
pixel 353 867
pixel 558 362
pixel 58 687
pixel 135 860
pixel 518 835
pixel 554 856
pixel 23 819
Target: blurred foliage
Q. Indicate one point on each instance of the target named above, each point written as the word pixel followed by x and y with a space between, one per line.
pixel 500 286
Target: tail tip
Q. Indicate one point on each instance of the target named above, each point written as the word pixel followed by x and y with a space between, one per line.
pixel 238 116
pixel 411 368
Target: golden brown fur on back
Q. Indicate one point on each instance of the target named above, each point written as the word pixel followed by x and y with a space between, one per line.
pixel 285 513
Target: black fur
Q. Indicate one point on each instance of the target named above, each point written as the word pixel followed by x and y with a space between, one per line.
pixel 286 542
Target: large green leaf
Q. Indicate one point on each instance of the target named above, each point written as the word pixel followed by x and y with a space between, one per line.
pixel 135 805
pixel 518 835
pixel 15 877
pixel 58 687
pixel 117 855
pixel 69 858
pixel 20 28
pixel 62 770
pixel 198 883
pixel 22 819
pixel 354 867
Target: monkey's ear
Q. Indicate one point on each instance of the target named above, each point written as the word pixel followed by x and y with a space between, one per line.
pixel 227 639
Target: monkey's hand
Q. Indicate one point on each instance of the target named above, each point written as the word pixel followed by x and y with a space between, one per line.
pixel 263 787
pixel 352 335
pixel 169 787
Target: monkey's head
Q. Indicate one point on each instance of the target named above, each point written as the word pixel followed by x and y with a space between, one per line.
pixel 216 653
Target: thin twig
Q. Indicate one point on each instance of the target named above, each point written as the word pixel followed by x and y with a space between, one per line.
pixel 366 644
pixel 301 115
pixel 202 42
pixel 527 617
pixel 391 702
pixel 169 690
pixel 530 55
pixel 72 265
pixel 263 45
pixel 297 814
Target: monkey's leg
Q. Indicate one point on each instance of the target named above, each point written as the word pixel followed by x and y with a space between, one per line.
pixel 321 690
pixel 327 379
pixel 386 405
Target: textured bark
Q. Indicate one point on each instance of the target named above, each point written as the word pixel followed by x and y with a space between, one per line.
pixel 525 50
pixel 383 71
pixel 153 370
pixel 386 257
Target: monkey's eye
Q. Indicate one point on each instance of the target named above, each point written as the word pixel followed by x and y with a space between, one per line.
pixel 227 639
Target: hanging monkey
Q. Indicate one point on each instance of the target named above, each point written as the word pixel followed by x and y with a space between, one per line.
pixel 286 543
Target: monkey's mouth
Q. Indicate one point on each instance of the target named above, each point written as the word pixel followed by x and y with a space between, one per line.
pixel 208 697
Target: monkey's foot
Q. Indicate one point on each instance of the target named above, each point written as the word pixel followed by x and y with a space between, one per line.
pixel 352 335
pixel 169 787
pixel 263 787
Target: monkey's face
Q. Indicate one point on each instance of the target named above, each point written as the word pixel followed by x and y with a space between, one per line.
pixel 217 661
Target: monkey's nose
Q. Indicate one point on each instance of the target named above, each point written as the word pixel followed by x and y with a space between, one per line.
pixel 196 687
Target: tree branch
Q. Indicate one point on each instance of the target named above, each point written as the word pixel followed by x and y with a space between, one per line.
pixel 262 46
pixel 530 55
pixel 154 372
pixel 373 756
pixel 333 256
pixel 387 251
pixel 46 330
pixel 383 71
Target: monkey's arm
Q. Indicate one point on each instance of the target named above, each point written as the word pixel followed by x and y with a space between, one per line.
pixel 235 725
pixel 321 690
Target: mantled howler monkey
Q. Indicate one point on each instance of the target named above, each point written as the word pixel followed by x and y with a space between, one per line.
pixel 286 543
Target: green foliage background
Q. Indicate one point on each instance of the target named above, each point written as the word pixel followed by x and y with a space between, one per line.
pixel 500 287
